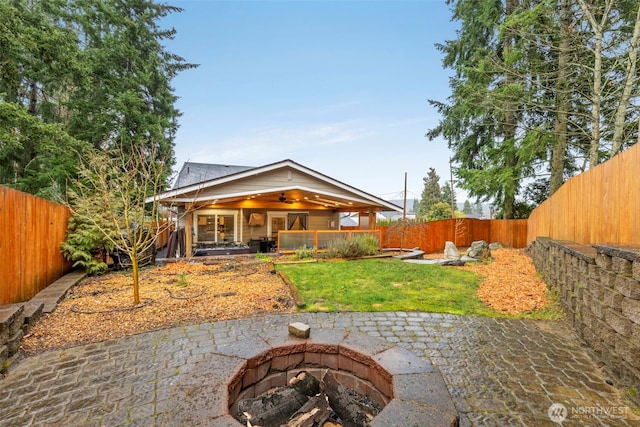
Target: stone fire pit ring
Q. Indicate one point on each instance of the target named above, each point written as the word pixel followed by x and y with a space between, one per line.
pixel 411 390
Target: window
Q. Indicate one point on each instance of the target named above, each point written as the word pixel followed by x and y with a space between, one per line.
pixel 278 223
pixel 286 221
pixel 216 227
pixel 297 221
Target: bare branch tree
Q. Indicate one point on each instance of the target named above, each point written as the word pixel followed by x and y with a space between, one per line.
pixel 111 196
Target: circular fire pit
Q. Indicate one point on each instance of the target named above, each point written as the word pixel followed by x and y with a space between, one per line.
pixel 409 389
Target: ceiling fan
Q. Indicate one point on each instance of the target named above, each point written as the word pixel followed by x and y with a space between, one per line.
pixel 284 199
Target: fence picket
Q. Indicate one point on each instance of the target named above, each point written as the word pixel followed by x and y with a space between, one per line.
pixel 31 231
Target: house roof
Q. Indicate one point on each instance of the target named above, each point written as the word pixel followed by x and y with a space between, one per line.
pixel 242 186
pixel 193 173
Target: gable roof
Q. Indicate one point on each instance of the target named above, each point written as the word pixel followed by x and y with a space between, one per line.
pixel 193 173
pixel 201 184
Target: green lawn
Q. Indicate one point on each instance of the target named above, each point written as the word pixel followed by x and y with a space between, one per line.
pixel 388 285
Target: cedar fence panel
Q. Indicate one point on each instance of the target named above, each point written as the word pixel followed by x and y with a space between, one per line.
pixel 509 232
pixel 31 231
pixel 431 236
pixel 599 206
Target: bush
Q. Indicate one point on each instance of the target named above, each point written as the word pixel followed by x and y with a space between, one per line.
pixel 86 246
pixel 304 253
pixel 358 246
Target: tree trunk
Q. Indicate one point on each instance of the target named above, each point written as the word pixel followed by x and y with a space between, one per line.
pixel 559 149
pixel 510 122
pixel 631 78
pixel 596 97
pixel 136 277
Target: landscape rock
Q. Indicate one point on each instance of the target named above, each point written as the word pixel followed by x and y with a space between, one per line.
pixel 496 245
pixel 299 329
pixel 450 251
pixel 479 250
pixel 452 262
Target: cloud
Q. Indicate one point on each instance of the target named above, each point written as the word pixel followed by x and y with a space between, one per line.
pixel 267 143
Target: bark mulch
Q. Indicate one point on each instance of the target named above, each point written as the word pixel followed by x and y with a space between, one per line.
pixel 101 308
pixel 510 282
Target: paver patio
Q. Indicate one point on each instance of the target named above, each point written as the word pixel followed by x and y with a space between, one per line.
pixel 499 372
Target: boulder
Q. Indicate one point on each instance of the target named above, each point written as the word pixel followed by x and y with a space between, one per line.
pixel 450 251
pixel 452 262
pixel 479 250
pixel 496 245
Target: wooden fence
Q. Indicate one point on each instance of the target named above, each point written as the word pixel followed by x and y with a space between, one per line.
pixel 162 230
pixel 600 206
pixel 431 236
pixel 31 231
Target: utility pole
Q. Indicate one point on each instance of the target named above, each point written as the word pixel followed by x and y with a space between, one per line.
pixel 453 211
pixel 404 206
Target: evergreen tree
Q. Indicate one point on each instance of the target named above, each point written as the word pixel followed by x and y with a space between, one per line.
pixel 37 60
pixel 477 209
pixel 415 206
pixel 77 74
pixel 480 120
pixel 540 92
pixel 126 98
pixel 431 193
pixel 467 208
pixel 447 195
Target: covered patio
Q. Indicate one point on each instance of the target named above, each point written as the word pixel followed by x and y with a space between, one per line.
pixel 225 207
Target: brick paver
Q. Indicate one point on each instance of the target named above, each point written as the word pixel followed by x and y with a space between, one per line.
pixel 499 372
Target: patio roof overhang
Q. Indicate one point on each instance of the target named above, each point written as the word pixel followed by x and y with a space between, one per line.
pixel 341 197
pixel 293 198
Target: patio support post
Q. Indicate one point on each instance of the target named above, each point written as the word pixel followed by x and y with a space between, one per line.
pixel 188 230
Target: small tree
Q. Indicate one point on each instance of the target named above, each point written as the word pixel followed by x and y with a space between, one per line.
pixel 109 198
pixel 467 208
pixel 431 193
pixel 449 197
pixel 442 210
pixel 477 209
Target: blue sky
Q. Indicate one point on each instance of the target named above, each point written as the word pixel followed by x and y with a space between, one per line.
pixel 338 86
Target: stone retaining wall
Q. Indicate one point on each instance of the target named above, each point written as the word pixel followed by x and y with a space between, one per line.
pixel 599 287
pixel 15 322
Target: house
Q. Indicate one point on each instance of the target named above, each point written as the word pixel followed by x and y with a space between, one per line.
pixel 226 206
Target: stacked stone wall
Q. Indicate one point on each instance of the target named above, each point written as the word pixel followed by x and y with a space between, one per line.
pixel 599 287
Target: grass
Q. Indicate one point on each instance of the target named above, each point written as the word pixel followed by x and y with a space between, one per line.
pixel 391 285
pixel 386 285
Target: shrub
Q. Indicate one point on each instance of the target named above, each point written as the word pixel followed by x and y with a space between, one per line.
pixel 86 246
pixel 263 257
pixel 358 246
pixel 304 253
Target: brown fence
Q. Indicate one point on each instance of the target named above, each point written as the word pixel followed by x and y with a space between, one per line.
pixel 31 231
pixel 599 206
pixel 162 230
pixel 431 236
